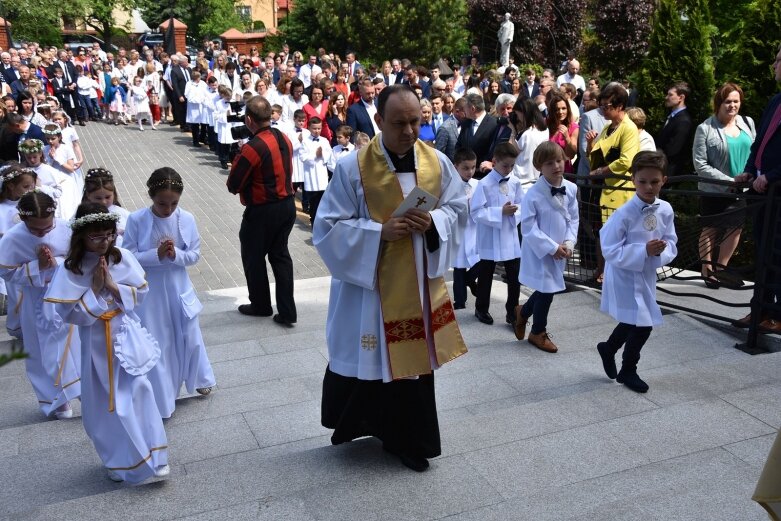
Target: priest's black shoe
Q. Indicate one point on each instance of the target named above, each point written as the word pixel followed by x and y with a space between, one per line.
pixel 416 463
pixel 279 319
pixel 632 381
pixel 459 306
pixel 484 317
pixel 608 360
pixel 247 309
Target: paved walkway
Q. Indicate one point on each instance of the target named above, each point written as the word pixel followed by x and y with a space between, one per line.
pixel 132 155
pixel 526 435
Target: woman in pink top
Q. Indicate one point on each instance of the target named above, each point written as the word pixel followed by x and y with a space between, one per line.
pixel 563 128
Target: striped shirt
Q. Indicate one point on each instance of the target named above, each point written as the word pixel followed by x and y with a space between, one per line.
pixel 262 171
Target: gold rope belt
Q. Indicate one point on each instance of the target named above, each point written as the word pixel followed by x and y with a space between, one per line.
pixel 106 318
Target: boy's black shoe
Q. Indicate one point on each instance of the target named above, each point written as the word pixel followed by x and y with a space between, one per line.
pixel 484 317
pixel 472 285
pixel 608 360
pixel 510 319
pixel 459 306
pixel 632 381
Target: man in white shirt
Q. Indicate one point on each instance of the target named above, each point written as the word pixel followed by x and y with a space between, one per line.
pixel 309 71
pixel 572 76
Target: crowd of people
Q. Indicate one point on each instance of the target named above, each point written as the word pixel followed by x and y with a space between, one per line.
pixel 492 147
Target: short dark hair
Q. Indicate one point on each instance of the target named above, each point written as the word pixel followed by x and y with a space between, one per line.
pixel 387 92
pixel 681 88
pixel 615 94
pixel 314 121
pixel 464 154
pixel 506 150
pixel 648 159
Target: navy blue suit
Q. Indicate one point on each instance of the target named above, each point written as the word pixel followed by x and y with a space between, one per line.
pixel 525 90
pixel 358 119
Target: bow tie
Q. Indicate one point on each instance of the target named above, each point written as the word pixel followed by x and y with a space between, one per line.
pixel 315 138
pixel 558 190
pixel 298 129
pixel 274 123
pixel 504 179
pixel 650 208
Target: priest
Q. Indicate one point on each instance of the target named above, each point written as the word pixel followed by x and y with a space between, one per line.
pixel 390 319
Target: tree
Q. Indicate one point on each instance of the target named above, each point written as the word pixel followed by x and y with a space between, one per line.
pixel 203 18
pixel 34 20
pixel 679 50
pixel 620 30
pixel 99 15
pixel 748 60
pixel 546 31
pixel 378 29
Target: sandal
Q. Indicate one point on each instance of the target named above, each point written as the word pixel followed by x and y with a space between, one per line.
pixel 711 282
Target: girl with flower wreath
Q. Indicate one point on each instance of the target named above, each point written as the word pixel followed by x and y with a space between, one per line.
pixel 61 156
pixel 165 240
pixel 14 183
pixel 99 289
pixel 30 253
pixel 49 179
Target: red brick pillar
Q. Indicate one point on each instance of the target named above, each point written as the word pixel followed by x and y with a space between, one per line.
pixel 180 31
pixel 4 43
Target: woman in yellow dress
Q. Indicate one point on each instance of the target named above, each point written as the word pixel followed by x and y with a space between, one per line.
pixel 611 152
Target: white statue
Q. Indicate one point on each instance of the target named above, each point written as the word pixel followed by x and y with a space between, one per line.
pixel 505 37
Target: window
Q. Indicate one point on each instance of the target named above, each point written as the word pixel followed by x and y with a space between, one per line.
pixel 244 11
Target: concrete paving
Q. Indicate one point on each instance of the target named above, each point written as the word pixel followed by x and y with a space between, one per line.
pixel 525 434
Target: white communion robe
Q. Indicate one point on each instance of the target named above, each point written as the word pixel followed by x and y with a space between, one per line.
pixel 121 223
pixel 497 234
pixel 315 169
pixel 349 243
pixel 52 347
pixel 117 354
pixel 170 312
pixel 629 287
pixel 547 221
pixel 62 187
pixel 467 256
pixel 196 94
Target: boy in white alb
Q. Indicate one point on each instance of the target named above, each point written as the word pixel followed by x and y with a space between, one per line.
pixel 466 259
pixel 315 152
pixel 636 240
pixel 342 148
pixel 495 207
pixel 297 137
pixel 549 224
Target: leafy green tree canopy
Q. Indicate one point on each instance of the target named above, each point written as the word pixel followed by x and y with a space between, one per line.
pixel 679 50
pixel 203 18
pixel 378 29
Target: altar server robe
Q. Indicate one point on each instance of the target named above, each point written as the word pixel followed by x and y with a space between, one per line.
pixel 466 255
pixel 315 170
pixel 497 234
pixel 629 286
pixel 349 243
pixel 547 221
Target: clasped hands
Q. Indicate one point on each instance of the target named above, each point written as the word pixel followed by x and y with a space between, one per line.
pixel 655 247
pixel 45 258
pixel 413 221
pixel 759 184
pixel 166 249
pixel 102 279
